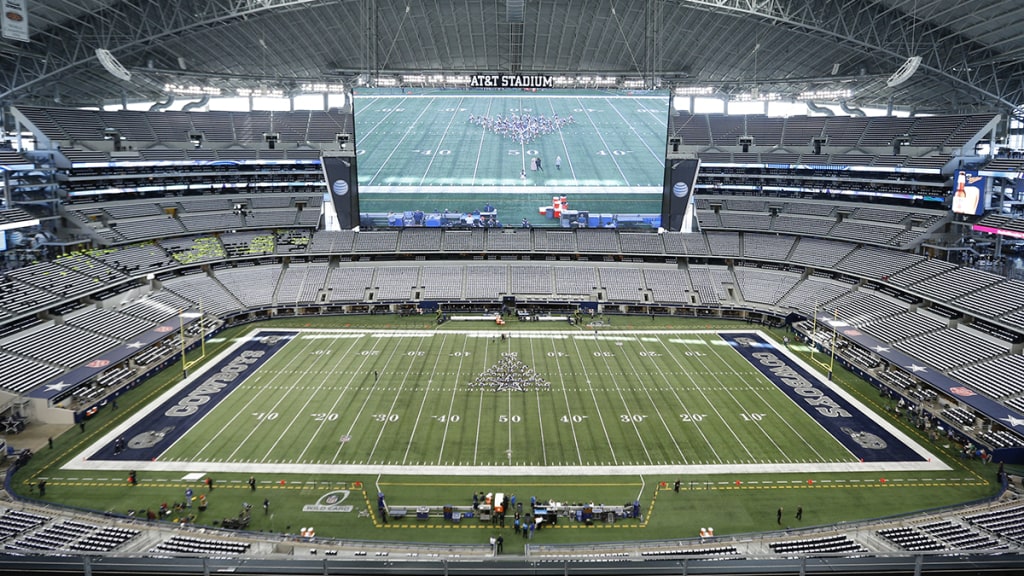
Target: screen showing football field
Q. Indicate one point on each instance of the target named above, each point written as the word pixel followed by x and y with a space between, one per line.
pixel 455 153
pixel 488 402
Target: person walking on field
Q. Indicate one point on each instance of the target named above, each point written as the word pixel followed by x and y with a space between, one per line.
pixel 558 162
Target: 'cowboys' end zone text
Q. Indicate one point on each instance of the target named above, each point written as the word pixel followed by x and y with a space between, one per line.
pixel 201 395
pixel 816 398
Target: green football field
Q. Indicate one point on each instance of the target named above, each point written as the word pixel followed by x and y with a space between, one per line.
pixel 612 154
pixel 599 415
pixel 472 400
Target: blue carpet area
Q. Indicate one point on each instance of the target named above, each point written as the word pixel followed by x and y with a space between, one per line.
pixel 865 438
pixel 156 431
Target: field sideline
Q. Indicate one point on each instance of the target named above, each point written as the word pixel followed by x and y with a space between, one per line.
pixel 401 402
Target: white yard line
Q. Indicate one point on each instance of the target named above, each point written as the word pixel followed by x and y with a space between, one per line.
pixel 476 437
pixel 451 401
pixel 480 148
pixel 423 402
pixel 440 142
pixel 768 405
pixel 540 419
pixel 565 149
pixel 337 400
pixel 568 405
pixel 399 143
pixel 597 405
pixel 394 401
pixel 654 404
pixel 605 145
pixel 711 404
pixel 625 404
pixel 658 155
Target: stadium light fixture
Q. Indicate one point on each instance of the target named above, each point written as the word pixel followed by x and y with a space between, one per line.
pixel 260 92
pixel 757 97
pixel 192 90
pixel 110 64
pixel 905 72
pixel 694 90
pixel 826 94
pixel 321 87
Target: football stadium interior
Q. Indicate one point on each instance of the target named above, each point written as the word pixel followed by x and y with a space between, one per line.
pixel 512 286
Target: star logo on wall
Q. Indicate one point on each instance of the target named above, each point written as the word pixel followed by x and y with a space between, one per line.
pixel 1014 422
pixel 915 368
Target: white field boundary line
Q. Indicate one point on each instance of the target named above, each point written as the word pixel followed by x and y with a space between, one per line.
pixel 74 463
pixel 930 462
pixel 867 412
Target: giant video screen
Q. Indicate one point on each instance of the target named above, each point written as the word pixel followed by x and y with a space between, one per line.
pixel 510 158
pixel 969 193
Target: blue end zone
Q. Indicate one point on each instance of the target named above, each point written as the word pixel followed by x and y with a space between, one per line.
pixel 156 431
pixel 861 435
